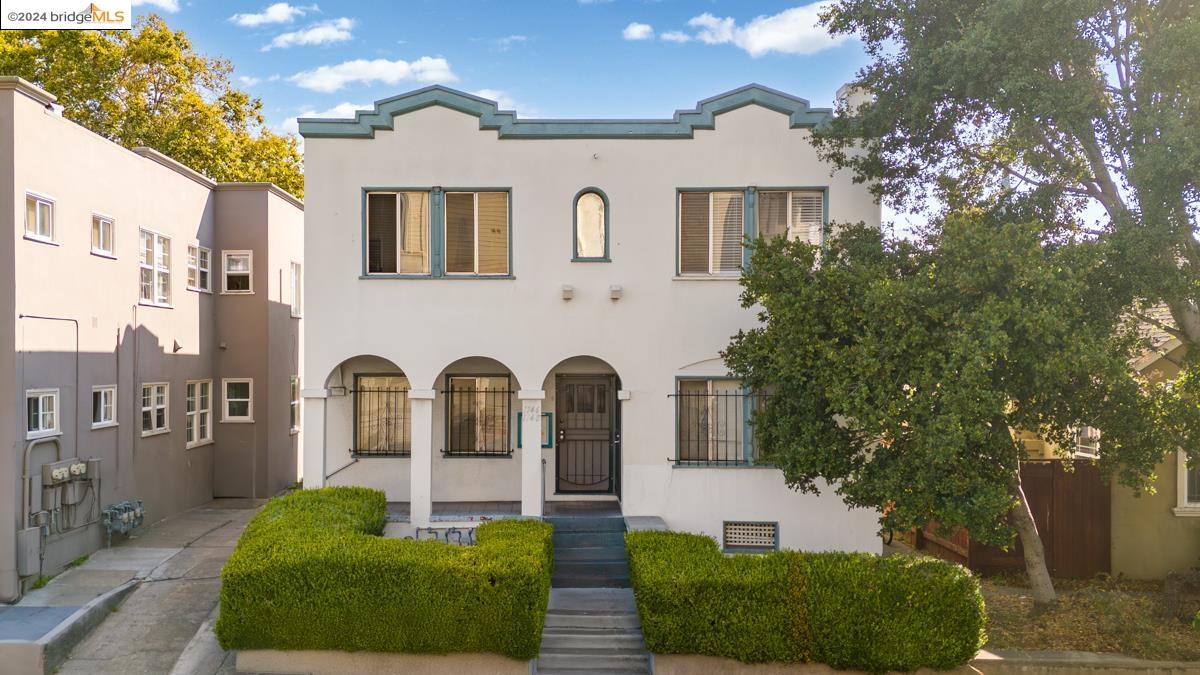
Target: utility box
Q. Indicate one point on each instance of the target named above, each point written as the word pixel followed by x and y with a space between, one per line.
pixel 93 469
pixel 29 551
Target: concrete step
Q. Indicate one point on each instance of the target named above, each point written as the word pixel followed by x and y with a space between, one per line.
pixel 587 524
pixel 592 622
pixel 594 601
pixel 577 539
pixel 591 567
pixel 576 663
pixel 633 670
pixel 610 631
pixel 590 553
pixel 589 582
pixel 555 643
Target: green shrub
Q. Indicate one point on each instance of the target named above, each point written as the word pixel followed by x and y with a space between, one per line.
pixel 311 572
pixel 692 600
pixel 846 610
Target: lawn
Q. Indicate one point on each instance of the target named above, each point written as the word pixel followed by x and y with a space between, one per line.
pixel 1102 615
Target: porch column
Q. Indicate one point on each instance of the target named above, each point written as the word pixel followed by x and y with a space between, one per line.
pixel 420 477
pixel 313 455
pixel 532 486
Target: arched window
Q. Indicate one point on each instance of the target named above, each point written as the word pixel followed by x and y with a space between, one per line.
pixel 591 226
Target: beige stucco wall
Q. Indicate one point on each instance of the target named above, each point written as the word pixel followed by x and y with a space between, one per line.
pixel 1148 538
pixel 662 327
pixel 120 341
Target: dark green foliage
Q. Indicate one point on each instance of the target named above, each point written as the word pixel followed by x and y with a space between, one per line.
pixel 846 610
pixel 311 572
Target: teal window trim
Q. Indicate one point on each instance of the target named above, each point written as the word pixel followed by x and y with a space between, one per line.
pixel 437 232
pixel 748 216
pixel 823 189
pixel 547 442
pixel 575 257
pixel 747 435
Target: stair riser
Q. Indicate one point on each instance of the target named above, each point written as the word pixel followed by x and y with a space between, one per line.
pixel 577 539
pixel 591 568
pixel 590 554
pixel 568 662
pixel 620 622
pixel 582 582
pixel 587 524
pixel 600 644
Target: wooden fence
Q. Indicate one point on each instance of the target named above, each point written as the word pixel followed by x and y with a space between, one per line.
pixel 1072 509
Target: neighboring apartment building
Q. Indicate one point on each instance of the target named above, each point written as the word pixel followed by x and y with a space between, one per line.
pixel 478 272
pixel 149 320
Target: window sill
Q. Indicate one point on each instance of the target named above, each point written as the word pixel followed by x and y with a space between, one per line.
pixel 41 240
pixel 297 316
pixel 147 303
pixel 104 254
pixel 429 277
pixel 293 431
pixel 676 464
pixel 591 260
pixel 156 432
pixel 476 455
pixel 237 292
pixel 103 425
pixel 238 420
pixel 197 444
pixel 36 435
pixel 199 290
pixel 1189 511
pixel 381 455
pixel 707 277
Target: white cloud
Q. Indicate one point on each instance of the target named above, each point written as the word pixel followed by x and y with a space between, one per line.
pixel 509 40
pixel 332 78
pixel 171 6
pixel 594 2
pixel 341 111
pixel 280 12
pixel 793 31
pixel 248 80
pixel 675 36
pixel 638 31
pixel 274 77
pixel 323 33
pixel 505 101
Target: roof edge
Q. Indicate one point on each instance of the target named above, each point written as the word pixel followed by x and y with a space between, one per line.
pixel 681 125
pixel 21 85
pixel 269 187
pixel 176 166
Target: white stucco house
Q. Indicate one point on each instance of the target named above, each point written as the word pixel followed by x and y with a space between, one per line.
pixel 470 271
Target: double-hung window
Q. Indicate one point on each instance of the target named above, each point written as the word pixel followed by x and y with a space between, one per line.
pixel 1087 442
pixel 41 408
pixel 477 233
pixel 155 269
pixel 239 272
pixel 382 415
pixel 1188 502
pixel 294 403
pixel 711 422
pixel 798 214
pixel 154 408
pixel 397 233
pixel 478 410
pixel 711 230
pixel 199 269
pixel 239 400
pixel 297 290
pixel 39 218
pixel 104 406
pixel 102 236
pixel 199 413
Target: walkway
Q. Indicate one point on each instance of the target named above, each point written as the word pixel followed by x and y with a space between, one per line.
pixel 180 560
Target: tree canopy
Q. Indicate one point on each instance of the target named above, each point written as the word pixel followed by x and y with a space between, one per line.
pixel 149 87
pixel 897 369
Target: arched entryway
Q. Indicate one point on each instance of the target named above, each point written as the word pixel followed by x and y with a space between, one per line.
pixel 582 422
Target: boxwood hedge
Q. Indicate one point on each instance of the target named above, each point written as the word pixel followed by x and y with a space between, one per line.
pixel 311 571
pixel 847 610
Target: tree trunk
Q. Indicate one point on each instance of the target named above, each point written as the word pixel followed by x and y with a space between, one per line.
pixel 1031 544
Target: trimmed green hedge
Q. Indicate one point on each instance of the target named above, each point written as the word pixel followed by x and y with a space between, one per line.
pixel 847 610
pixel 312 572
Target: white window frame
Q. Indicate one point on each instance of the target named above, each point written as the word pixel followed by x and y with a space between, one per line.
pixel 111 251
pixel 156 270
pixel 111 391
pixel 225 256
pixel 297 289
pixel 42 432
pixel 1083 450
pixel 225 416
pixel 153 407
pixel 294 403
pixel 679 273
pixel 194 268
pixel 193 416
pixel 35 234
pixel 1182 506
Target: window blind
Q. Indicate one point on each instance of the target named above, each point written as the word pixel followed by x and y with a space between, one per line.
pixel 414 236
pixel 493 233
pixel 693 232
pixel 772 214
pixel 381 233
pixel 808 216
pixel 727 232
pixel 460 232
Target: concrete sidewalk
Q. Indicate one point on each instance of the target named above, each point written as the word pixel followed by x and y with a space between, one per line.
pixel 169 578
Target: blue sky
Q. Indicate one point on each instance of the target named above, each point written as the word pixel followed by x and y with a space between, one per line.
pixel 556 58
